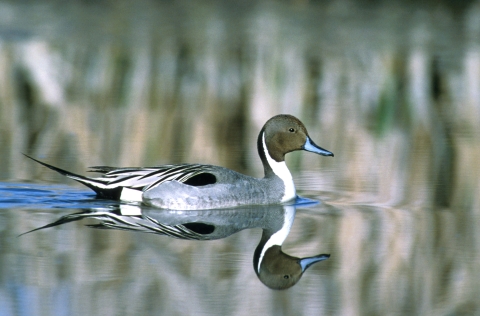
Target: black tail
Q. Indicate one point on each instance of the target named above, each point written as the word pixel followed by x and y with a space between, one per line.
pixel 63 220
pixel 96 185
pixel 61 171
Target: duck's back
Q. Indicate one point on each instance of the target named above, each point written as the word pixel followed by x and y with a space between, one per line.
pixel 215 187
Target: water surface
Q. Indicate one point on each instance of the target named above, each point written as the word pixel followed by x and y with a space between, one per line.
pixel 393 89
pixel 382 259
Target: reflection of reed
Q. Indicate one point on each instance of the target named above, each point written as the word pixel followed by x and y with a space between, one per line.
pixel 394 95
pixel 383 260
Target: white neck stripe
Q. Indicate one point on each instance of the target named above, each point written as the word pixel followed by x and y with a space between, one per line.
pixel 279 237
pixel 281 170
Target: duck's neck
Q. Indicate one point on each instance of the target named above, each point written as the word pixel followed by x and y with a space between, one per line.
pixel 273 238
pixel 274 168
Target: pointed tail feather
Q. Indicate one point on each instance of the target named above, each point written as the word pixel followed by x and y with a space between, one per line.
pixel 61 171
pixel 62 220
pixel 94 184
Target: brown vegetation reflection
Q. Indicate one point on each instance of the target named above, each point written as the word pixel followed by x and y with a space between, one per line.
pixel 392 88
pixel 276 269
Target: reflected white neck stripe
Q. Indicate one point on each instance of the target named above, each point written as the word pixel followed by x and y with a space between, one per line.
pixel 279 237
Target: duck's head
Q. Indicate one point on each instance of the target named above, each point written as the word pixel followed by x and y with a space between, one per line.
pixel 279 271
pixel 283 134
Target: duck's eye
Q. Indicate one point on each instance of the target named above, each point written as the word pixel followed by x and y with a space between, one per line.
pixel 291 130
pixel 286 276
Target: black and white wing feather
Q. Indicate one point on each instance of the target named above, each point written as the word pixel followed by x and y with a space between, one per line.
pixel 139 223
pixel 115 180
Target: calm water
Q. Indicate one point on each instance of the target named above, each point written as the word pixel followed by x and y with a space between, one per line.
pixel 404 260
pixel 392 88
pixel 57 270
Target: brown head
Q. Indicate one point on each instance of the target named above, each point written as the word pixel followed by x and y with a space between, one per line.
pixel 283 134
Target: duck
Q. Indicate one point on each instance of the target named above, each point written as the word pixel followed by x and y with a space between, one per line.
pixel 273 267
pixel 203 186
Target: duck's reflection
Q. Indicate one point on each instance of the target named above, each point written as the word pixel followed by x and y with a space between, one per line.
pixel 274 268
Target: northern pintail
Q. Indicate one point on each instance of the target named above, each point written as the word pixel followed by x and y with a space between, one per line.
pixel 273 267
pixel 196 186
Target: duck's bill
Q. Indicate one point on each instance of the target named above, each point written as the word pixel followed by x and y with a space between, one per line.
pixel 314 148
pixel 307 262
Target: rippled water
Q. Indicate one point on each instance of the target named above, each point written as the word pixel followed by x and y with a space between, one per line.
pixel 382 259
pixel 391 88
pixel 108 271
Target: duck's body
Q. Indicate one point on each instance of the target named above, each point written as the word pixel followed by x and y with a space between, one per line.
pixel 230 189
pixel 195 186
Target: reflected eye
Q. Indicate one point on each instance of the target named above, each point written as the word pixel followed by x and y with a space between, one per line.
pixel 291 130
pixel 286 276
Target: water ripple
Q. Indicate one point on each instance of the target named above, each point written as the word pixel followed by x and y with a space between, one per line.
pixel 20 195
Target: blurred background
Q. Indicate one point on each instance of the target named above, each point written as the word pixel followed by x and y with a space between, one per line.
pixel 392 88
